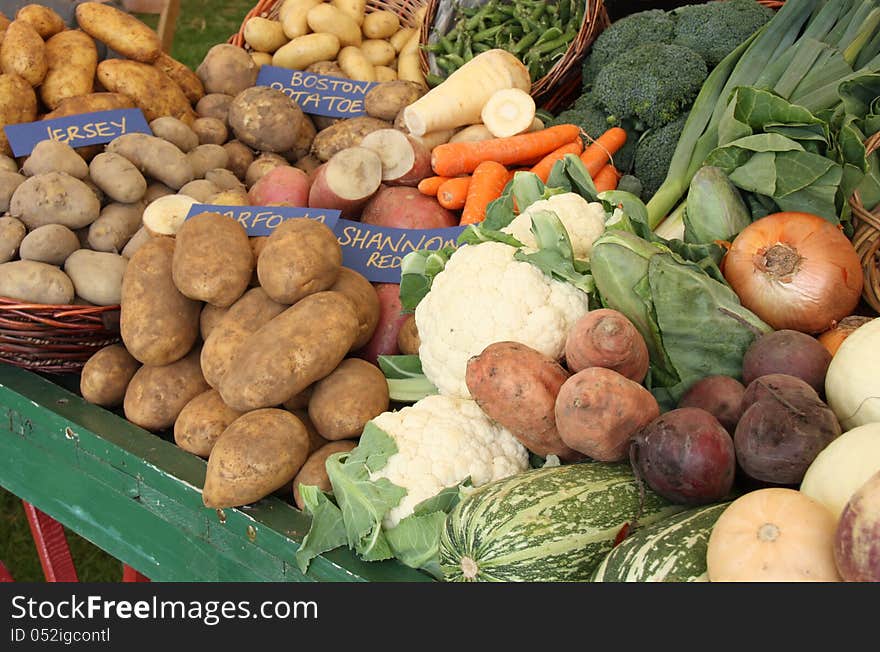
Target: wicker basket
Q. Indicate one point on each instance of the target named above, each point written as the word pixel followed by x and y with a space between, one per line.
pixel 563 81
pixel 866 239
pixel 54 339
pixel 405 10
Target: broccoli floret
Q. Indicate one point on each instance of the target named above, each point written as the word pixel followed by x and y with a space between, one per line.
pixel 652 26
pixel 715 29
pixel 654 153
pixel 652 84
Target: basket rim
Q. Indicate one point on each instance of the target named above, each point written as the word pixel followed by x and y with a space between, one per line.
pixel 866 238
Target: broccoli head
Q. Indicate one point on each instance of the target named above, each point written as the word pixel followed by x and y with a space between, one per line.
pixel 652 26
pixel 652 84
pixel 715 29
pixel 654 153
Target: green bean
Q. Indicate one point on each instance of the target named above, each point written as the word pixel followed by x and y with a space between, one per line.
pixel 564 11
pixel 468 53
pixel 474 20
pixel 550 35
pixel 434 80
pixel 525 42
pixel 455 59
pixel 487 33
pixel 549 46
pixel 445 64
pixel 479 48
pixel 539 11
pixel 446 44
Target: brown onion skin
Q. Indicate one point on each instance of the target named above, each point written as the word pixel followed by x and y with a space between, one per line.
pixel 795 271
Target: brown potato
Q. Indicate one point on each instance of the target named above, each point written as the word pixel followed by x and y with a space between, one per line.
pixel 121 32
pixel 258 453
pixel 299 401
pixel 206 157
pixel 12 233
pixel 71 59
pixel 224 179
pixel 115 226
pixel 54 198
pixel 209 318
pixel 347 133
pixel 315 438
pixel 301 257
pixel 159 325
pixel 33 282
pixel 46 21
pixel 384 101
pixel 18 103
pixel 149 88
pixel 50 244
pixel 138 240
pixel 265 119
pixel 214 105
pixel 240 158
pixel 211 131
pixel 320 328
pixel 176 132
pixel 366 302
pixel 96 275
pixel 23 53
pixel 9 181
pixel 261 166
pixel 313 471
pixel 244 317
pixel 342 403
pixel 202 421
pixel 227 69
pixel 54 156
pixel 303 144
pixel 155 157
pixel 408 338
pixel 90 103
pixel 156 395
pixel 106 375
pixel 200 190
pixel 212 259
pixel 118 178
pixel 188 81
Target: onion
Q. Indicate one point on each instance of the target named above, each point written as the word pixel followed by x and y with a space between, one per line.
pixel 795 271
pixel 834 336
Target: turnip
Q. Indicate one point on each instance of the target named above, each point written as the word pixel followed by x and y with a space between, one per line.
pixel 686 456
pixel 721 396
pixel 787 352
pixel 857 540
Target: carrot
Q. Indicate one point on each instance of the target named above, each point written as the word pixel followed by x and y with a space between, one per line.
pixel 451 159
pixel 453 192
pixel 600 151
pixel 543 167
pixel 430 185
pixel 607 178
pixel 487 182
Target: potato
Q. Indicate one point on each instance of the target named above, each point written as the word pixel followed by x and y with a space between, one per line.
pixel 227 69
pixel 408 338
pixel 330 68
pixel 9 181
pixel 12 232
pixel 223 179
pixel 200 190
pixel 118 178
pixel 43 19
pixel 185 78
pixel 244 317
pixel 261 166
pixel 50 244
pixel 343 402
pixel 378 53
pixel 176 132
pixel 71 62
pixel 347 181
pixel 320 328
pixel 354 9
pixel 391 318
pixel 206 157
pixel 199 272
pixel 115 226
pixel 96 275
pixel 281 185
pixel 303 51
pixel 380 24
pixel 209 318
pixel 54 156
pixel 258 453
pixel 119 31
pixel 385 101
pixel 230 198
pixel 202 421
pixel 214 105
pixel 327 19
pixel 366 302
pixel 265 119
pixel 347 133
pixel 33 282
pixel 159 325
pixel 210 131
pixel 54 198
pixel 150 89
pixel 313 471
pixel 157 394
pixel 240 158
pixel 18 103
pixel 7 164
pixel 400 38
pixel 403 207
pixel 23 53
pixel 159 159
pixel 4 23
pixel 298 403
pixel 301 257
pixel 166 215
pixel 355 65
pixel 304 138
pixel 138 240
pixel 106 375
pixel 308 164
pixel 264 35
pixel 405 161
pixel 90 103
pixel 385 74
pixel 156 190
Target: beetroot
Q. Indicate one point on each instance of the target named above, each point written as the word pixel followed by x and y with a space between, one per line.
pixel 857 540
pixel 720 396
pixel 686 456
pixel 787 352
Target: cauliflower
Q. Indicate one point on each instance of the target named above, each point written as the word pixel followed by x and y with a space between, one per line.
pixel 440 442
pixel 483 296
pixel 584 221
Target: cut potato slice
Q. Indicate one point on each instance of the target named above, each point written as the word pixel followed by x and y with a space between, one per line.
pixel 166 215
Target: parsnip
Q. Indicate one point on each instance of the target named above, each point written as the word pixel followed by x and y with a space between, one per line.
pixel 508 112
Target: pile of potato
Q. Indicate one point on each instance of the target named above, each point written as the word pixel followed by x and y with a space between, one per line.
pixel 366 46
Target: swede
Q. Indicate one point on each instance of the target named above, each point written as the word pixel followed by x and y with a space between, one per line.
pixel 857 539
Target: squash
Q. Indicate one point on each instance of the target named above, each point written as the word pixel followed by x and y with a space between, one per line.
pixel 773 535
pixel 843 466
pixel 852 384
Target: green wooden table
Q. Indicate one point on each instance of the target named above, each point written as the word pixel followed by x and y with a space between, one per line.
pixel 139 497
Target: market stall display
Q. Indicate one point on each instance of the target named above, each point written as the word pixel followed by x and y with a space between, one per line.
pixel 388 264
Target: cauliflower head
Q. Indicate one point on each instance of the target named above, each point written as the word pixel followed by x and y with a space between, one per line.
pixel 584 221
pixel 483 296
pixel 440 442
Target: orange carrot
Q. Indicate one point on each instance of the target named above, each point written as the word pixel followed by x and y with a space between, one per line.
pixel 453 192
pixel 487 182
pixel 542 169
pixel 607 178
pixel 600 151
pixel 451 159
pixel 430 185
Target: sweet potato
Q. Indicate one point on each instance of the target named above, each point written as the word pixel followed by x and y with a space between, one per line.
pixel 347 181
pixel 606 338
pixel 406 208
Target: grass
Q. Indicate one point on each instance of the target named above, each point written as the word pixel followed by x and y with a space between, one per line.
pixel 201 24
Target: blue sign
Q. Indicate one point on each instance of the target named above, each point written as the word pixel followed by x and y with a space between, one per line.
pixel 262 220
pixel 376 251
pixel 318 94
pixel 77 130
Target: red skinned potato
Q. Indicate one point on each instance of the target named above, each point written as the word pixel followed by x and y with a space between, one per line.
pixel 606 338
pixel 721 396
pixel 346 182
pixel 281 185
pixel 517 386
pixel 406 208
pixel 598 410
pixel 384 340
pixel 857 540
pixel 405 161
